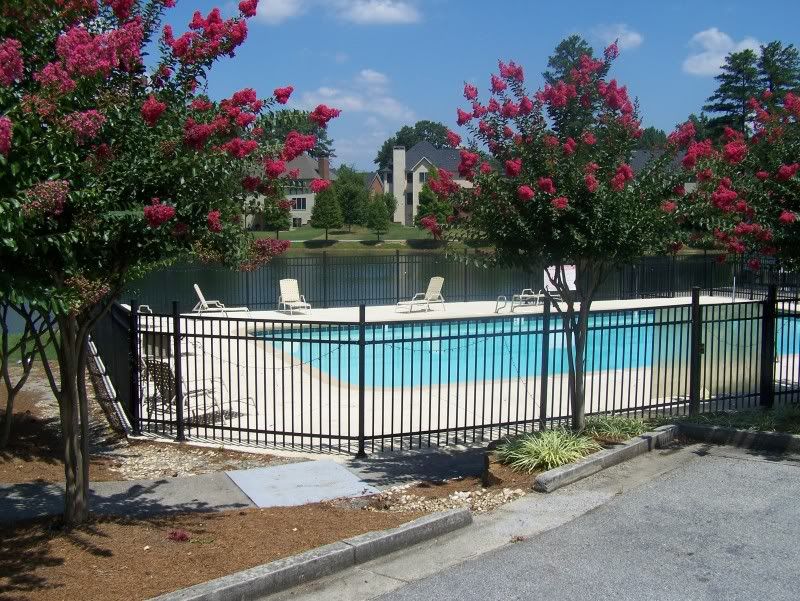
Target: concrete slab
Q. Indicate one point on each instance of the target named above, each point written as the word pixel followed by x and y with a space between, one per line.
pixel 299 483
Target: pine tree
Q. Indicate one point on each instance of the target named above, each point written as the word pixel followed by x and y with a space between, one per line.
pixel 327 213
pixel 779 68
pixel 738 83
pixel 652 139
pixel 377 217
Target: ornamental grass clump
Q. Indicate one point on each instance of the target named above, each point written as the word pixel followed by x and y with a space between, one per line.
pixel 613 428
pixel 545 450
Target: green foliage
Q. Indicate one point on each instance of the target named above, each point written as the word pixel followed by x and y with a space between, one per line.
pixel 779 68
pixel 430 204
pixel 652 139
pixel 738 82
pixel 326 214
pixel 377 217
pixel 545 450
pixel 277 124
pixel 430 131
pixel 613 427
pixel 702 126
pixel 779 419
pixel 276 215
pixel 352 196
pixel 390 201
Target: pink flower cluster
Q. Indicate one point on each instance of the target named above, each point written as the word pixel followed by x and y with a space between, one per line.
pixel 695 151
pixel 11 66
pixel 54 77
pixel 525 193
pixel 274 168
pixel 616 98
pixel 735 151
pixel 319 185
pixel 282 94
pixel 546 185
pixel 443 184
pixel 429 223
pixel 248 8
pixel 85 124
pixel 513 167
pixel 560 203
pixel 201 104
pixel 251 183
pixel 470 91
pixel 558 95
pixel 453 139
pixel 6 135
pixel 463 117
pixel 87 55
pixel 262 251
pixel 296 144
pixel 787 217
pixel 46 198
pixel 623 175
pixel 157 213
pixel 121 8
pixel 787 172
pixel 152 109
pixel 239 148
pixel 469 160
pixel 213 219
pixel 511 71
pixel 791 103
pixel 683 136
pixel 322 114
pixel 208 37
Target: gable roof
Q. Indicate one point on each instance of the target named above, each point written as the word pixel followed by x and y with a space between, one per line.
pixel 641 157
pixel 443 158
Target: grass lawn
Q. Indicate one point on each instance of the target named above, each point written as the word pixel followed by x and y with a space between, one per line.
pixel 14 338
pixel 396 231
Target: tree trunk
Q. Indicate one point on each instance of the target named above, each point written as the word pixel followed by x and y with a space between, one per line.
pixel 76 497
pixel 5 429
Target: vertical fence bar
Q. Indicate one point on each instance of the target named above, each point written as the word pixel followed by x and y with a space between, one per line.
pixel 176 334
pixel 545 363
pixel 768 347
pixel 397 276
pixel 133 358
pixel 362 310
pixel 695 352
pixel 466 274
pixel 324 279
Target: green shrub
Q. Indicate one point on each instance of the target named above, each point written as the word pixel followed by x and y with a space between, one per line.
pixel 613 427
pixel 545 450
pixel 779 419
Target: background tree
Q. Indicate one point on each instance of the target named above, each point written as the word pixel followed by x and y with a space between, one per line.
pixel 277 216
pixel 429 131
pixel 652 139
pixel 277 125
pixel 326 214
pixel 738 83
pixel 430 204
pixel 351 194
pixel 106 172
pixel 377 217
pixel 779 69
pixel 390 201
pixel 561 199
pixel 701 124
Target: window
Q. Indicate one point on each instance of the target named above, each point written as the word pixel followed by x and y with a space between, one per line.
pixel 296 222
pixel 409 198
pixel 299 203
pixel 410 178
pixel 389 178
pixel 423 177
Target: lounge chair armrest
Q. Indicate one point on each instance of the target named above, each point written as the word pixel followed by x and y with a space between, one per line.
pixel 418 296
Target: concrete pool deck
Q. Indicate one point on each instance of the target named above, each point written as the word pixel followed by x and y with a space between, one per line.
pixel 451 310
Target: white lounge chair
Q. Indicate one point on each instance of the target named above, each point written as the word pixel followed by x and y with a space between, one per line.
pixel 525 298
pixel 290 299
pixel 432 296
pixel 213 306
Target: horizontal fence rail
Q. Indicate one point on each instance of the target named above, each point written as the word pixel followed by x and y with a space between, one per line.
pixel 362 386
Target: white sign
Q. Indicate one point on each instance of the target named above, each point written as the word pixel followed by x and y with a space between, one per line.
pixel 569 276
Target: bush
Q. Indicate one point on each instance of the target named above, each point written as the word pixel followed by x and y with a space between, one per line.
pixel 545 450
pixel 613 427
pixel 780 419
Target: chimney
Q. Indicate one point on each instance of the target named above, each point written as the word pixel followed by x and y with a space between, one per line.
pixel 399 183
pixel 324 167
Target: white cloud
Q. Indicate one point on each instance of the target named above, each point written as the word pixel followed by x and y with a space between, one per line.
pixel 627 38
pixel 361 12
pixel 278 11
pixel 374 80
pixel 710 47
pixel 377 12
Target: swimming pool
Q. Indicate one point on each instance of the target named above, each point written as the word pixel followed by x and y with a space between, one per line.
pixel 435 353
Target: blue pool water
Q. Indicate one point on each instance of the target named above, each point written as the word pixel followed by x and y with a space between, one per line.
pixel 424 354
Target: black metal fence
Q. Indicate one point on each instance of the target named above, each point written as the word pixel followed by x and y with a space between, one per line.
pixel 328 280
pixel 366 386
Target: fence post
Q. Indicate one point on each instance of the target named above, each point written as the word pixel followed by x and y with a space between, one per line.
pixel 545 364
pixel 768 347
pixel 466 274
pixel 362 310
pixel 324 279
pixel 133 358
pixel 247 301
pixel 397 276
pixel 176 335
pixel 696 351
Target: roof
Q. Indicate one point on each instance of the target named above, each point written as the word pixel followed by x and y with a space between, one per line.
pixel 443 158
pixel 308 166
pixel 640 159
pixel 368 177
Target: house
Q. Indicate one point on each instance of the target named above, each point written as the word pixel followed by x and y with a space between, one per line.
pixel 408 172
pixel 373 182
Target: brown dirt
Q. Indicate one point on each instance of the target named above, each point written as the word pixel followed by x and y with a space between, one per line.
pixel 121 559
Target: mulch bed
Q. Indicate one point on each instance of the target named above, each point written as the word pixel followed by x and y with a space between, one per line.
pixel 122 559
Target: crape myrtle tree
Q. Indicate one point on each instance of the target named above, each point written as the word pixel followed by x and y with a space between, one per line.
pixel 559 199
pixel 108 169
pixel 748 195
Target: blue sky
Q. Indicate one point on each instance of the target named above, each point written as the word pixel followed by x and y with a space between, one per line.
pixel 387 63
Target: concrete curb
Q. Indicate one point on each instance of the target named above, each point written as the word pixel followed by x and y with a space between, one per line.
pixel 773 441
pixel 567 474
pixel 292 571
